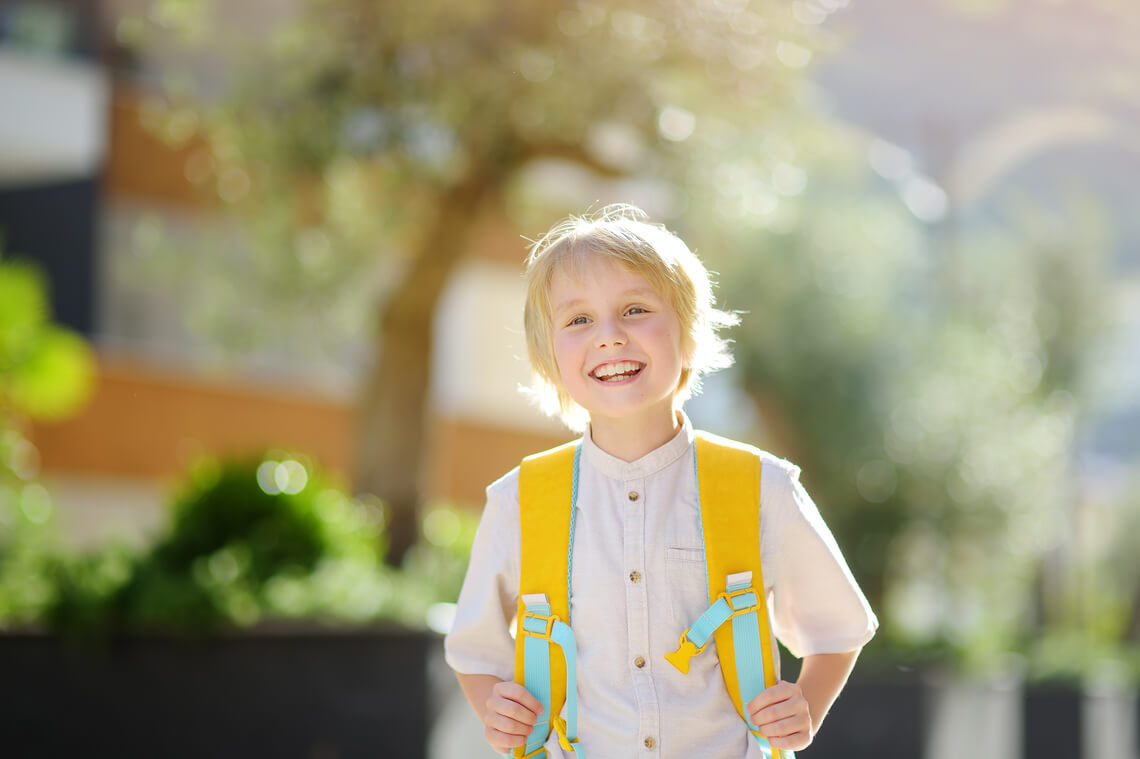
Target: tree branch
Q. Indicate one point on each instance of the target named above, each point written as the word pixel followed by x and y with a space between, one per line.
pixel 573 152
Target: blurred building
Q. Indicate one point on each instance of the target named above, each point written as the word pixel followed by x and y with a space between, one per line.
pixel 81 175
pixel 983 110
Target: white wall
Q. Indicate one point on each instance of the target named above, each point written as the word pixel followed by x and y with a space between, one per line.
pixel 480 349
pixel 53 117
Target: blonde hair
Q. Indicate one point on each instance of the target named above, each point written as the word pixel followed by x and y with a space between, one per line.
pixel 620 233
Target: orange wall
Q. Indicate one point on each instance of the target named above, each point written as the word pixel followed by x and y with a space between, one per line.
pixel 469 456
pixel 149 422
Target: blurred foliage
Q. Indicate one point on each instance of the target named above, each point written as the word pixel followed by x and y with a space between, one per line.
pixel 46 373
pixel 1093 613
pixel 260 540
pixel 930 381
pixel 344 127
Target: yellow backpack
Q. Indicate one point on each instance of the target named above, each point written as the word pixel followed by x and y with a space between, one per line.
pixel 728 487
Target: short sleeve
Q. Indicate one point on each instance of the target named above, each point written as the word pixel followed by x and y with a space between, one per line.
pixel 479 642
pixel 816 605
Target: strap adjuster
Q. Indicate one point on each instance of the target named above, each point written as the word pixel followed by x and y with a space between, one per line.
pixel 547 619
pixel 750 605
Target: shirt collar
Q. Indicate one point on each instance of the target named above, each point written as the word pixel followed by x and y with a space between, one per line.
pixel 650 463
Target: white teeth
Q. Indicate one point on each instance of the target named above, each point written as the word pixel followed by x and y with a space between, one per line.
pixel 620 367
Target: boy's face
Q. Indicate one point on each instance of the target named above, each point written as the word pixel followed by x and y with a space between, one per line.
pixel 617 342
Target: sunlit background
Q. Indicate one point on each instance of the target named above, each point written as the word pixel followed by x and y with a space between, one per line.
pixel 261 341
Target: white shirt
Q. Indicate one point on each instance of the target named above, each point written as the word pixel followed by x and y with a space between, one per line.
pixel 620 618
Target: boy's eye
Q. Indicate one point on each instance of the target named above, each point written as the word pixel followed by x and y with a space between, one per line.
pixel 577 320
pixel 636 310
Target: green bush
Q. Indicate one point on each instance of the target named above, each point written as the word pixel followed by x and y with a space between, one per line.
pixel 255 540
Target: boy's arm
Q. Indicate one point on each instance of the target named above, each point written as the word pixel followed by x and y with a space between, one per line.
pixel 822 677
pixel 789 714
pixel 507 710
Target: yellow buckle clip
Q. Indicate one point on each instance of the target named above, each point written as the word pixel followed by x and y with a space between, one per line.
pixel 686 650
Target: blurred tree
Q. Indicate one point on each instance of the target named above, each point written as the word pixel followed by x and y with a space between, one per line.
pixel 931 398
pixel 365 139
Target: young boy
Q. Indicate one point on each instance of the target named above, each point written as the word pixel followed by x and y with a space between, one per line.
pixel 620 326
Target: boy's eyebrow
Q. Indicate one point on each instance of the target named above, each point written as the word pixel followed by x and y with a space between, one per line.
pixel 633 291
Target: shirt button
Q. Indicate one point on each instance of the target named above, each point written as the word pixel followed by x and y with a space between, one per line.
pixel 650 743
pixel 639 662
pixel 635 576
pixel 633 495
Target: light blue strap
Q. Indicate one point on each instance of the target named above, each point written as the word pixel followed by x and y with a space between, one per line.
pixel 749 654
pixel 745 641
pixel 564 637
pixel 536 656
pixel 714 616
pixel 536 653
pixel 570 537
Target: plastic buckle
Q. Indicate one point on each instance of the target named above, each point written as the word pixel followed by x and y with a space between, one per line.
pixel 686 650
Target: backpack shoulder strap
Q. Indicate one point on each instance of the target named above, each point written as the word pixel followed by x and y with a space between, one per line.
pixel 546 482
pixel 728 489
pixel 547 495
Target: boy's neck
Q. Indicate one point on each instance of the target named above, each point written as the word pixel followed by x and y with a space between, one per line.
pixel 630 439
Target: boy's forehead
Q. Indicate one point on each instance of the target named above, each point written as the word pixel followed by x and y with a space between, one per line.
pixel 580 266
pixel 570 285
pixel 587 266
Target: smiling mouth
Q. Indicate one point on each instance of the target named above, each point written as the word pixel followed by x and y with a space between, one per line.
pixel 617 371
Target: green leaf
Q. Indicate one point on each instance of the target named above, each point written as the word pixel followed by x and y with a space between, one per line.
pixel 55 378
pixel 23 309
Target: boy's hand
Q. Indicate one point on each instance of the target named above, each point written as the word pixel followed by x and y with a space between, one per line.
pixel 510 714
pixel 781 714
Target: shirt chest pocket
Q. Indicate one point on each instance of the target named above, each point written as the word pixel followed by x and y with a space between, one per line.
pixel 688 585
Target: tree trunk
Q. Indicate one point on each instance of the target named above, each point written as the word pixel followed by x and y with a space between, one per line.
pixel 392 419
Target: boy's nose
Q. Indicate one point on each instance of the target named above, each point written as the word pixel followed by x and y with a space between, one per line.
pixel 610 334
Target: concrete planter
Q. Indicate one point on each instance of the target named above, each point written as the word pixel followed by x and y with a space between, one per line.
pixel 1004 717
pixel 309 694
pixel 1052 724
pixel 879 715
pixel 898 715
